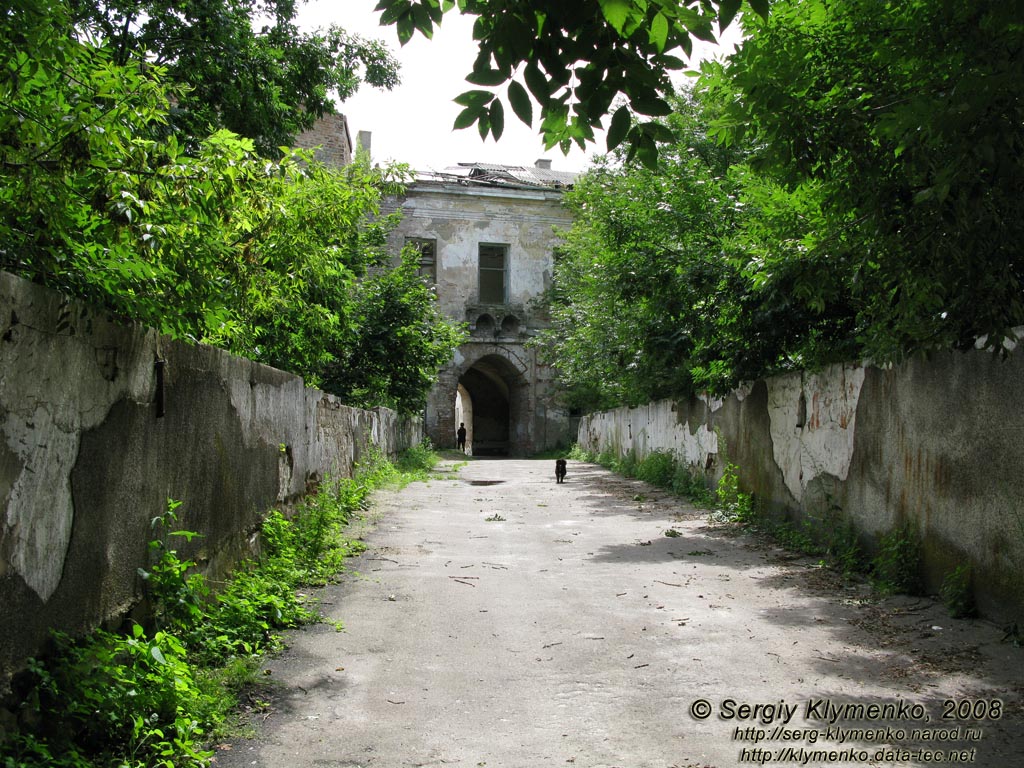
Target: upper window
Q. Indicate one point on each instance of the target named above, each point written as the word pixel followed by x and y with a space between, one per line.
pixel 427 249
pixel 493 268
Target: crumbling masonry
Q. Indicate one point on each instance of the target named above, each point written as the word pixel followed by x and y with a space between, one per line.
pixel 486 236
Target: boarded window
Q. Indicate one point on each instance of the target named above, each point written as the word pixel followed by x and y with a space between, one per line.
pixel 427 249
pixel 493 263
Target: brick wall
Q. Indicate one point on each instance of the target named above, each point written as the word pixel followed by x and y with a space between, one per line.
pixel 332 140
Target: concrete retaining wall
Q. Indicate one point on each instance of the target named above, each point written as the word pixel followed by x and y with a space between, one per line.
pixel 87 460
pixel 935 443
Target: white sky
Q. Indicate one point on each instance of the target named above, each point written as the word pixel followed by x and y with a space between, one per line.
pixel 413 123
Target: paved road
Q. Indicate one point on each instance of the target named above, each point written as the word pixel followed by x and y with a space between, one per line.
pixel 501 620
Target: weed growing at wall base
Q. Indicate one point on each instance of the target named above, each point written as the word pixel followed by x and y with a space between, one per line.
pixel 659 468
pixel 897 566
pixel 956 593
pixel 158 694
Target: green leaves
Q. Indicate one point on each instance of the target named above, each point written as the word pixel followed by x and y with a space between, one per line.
pixel 575 63
pixel 520 101
pixel 248 66
pixel 728 9
pixel 651 107
pixel 219 245
pixel 618 12
pixel 761 7
pixel 392 356
pixel 659 32
pixel 487 77
pixel 497 121
pixel 621 122
pixel 537 83
pixel 411 17
pixel 892 120
pixel 680 274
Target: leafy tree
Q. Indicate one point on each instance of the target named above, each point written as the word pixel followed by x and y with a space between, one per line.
pixel 400 343
pixel 76 169
pixel 247 66
pixel 656 293
pixel 346 319
pixel 642 282
pixel 267 259
pixel 574 59
pixel 793 308
pixel 904 118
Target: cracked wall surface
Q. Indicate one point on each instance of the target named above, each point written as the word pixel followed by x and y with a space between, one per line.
pixel 87 461
pixel 935 444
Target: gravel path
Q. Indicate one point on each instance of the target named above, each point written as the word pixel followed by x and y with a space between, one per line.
pixel 501 620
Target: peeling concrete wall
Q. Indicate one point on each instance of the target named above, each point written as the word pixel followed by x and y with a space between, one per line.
pixel 86 463
pixel 937 444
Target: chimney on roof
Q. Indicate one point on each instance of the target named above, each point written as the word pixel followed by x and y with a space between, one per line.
pixel 543 164
pixel 363 140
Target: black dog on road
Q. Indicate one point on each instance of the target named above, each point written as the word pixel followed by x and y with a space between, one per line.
pixel 559 470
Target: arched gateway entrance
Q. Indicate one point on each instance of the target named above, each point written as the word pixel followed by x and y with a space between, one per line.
pixel 490 392
pixel 496 393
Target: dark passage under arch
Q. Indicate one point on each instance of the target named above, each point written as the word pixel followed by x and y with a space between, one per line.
pixel 496 389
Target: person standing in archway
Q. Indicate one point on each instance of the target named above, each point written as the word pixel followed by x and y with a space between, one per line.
pixel 461 437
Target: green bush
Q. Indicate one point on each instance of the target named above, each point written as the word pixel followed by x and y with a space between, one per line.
pixel 657 468
pixel 153 697
pixel 691 485
pixel 418 461
pixel 113 700
pixel 627 465
pixel 897 566
pixel 576 453
pixel 733 504
pixel 843 547
pixel 956 593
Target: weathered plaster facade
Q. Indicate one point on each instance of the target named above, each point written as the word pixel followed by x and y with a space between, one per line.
pixel 487 236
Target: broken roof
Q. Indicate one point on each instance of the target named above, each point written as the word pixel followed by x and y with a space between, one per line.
pixel 490 174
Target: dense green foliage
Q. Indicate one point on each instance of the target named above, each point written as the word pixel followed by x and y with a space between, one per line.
pixel 573 60
pixel 896 568
pixel 905 120
pixel 281 261
pixel 246 65
pixel 157 695
pixel 653 295
pixel 401 343
pixel 846 186
pixel 639 279
pixel 957 593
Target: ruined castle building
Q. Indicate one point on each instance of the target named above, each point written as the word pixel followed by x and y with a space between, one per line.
pixel 486 236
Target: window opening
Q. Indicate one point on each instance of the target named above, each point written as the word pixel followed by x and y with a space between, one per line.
pixel 427 249
pixel 493 263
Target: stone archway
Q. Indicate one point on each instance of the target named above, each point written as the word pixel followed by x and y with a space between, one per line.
pixel 495 400
pixel 497 391
pixel 464 414
pixel 493 388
